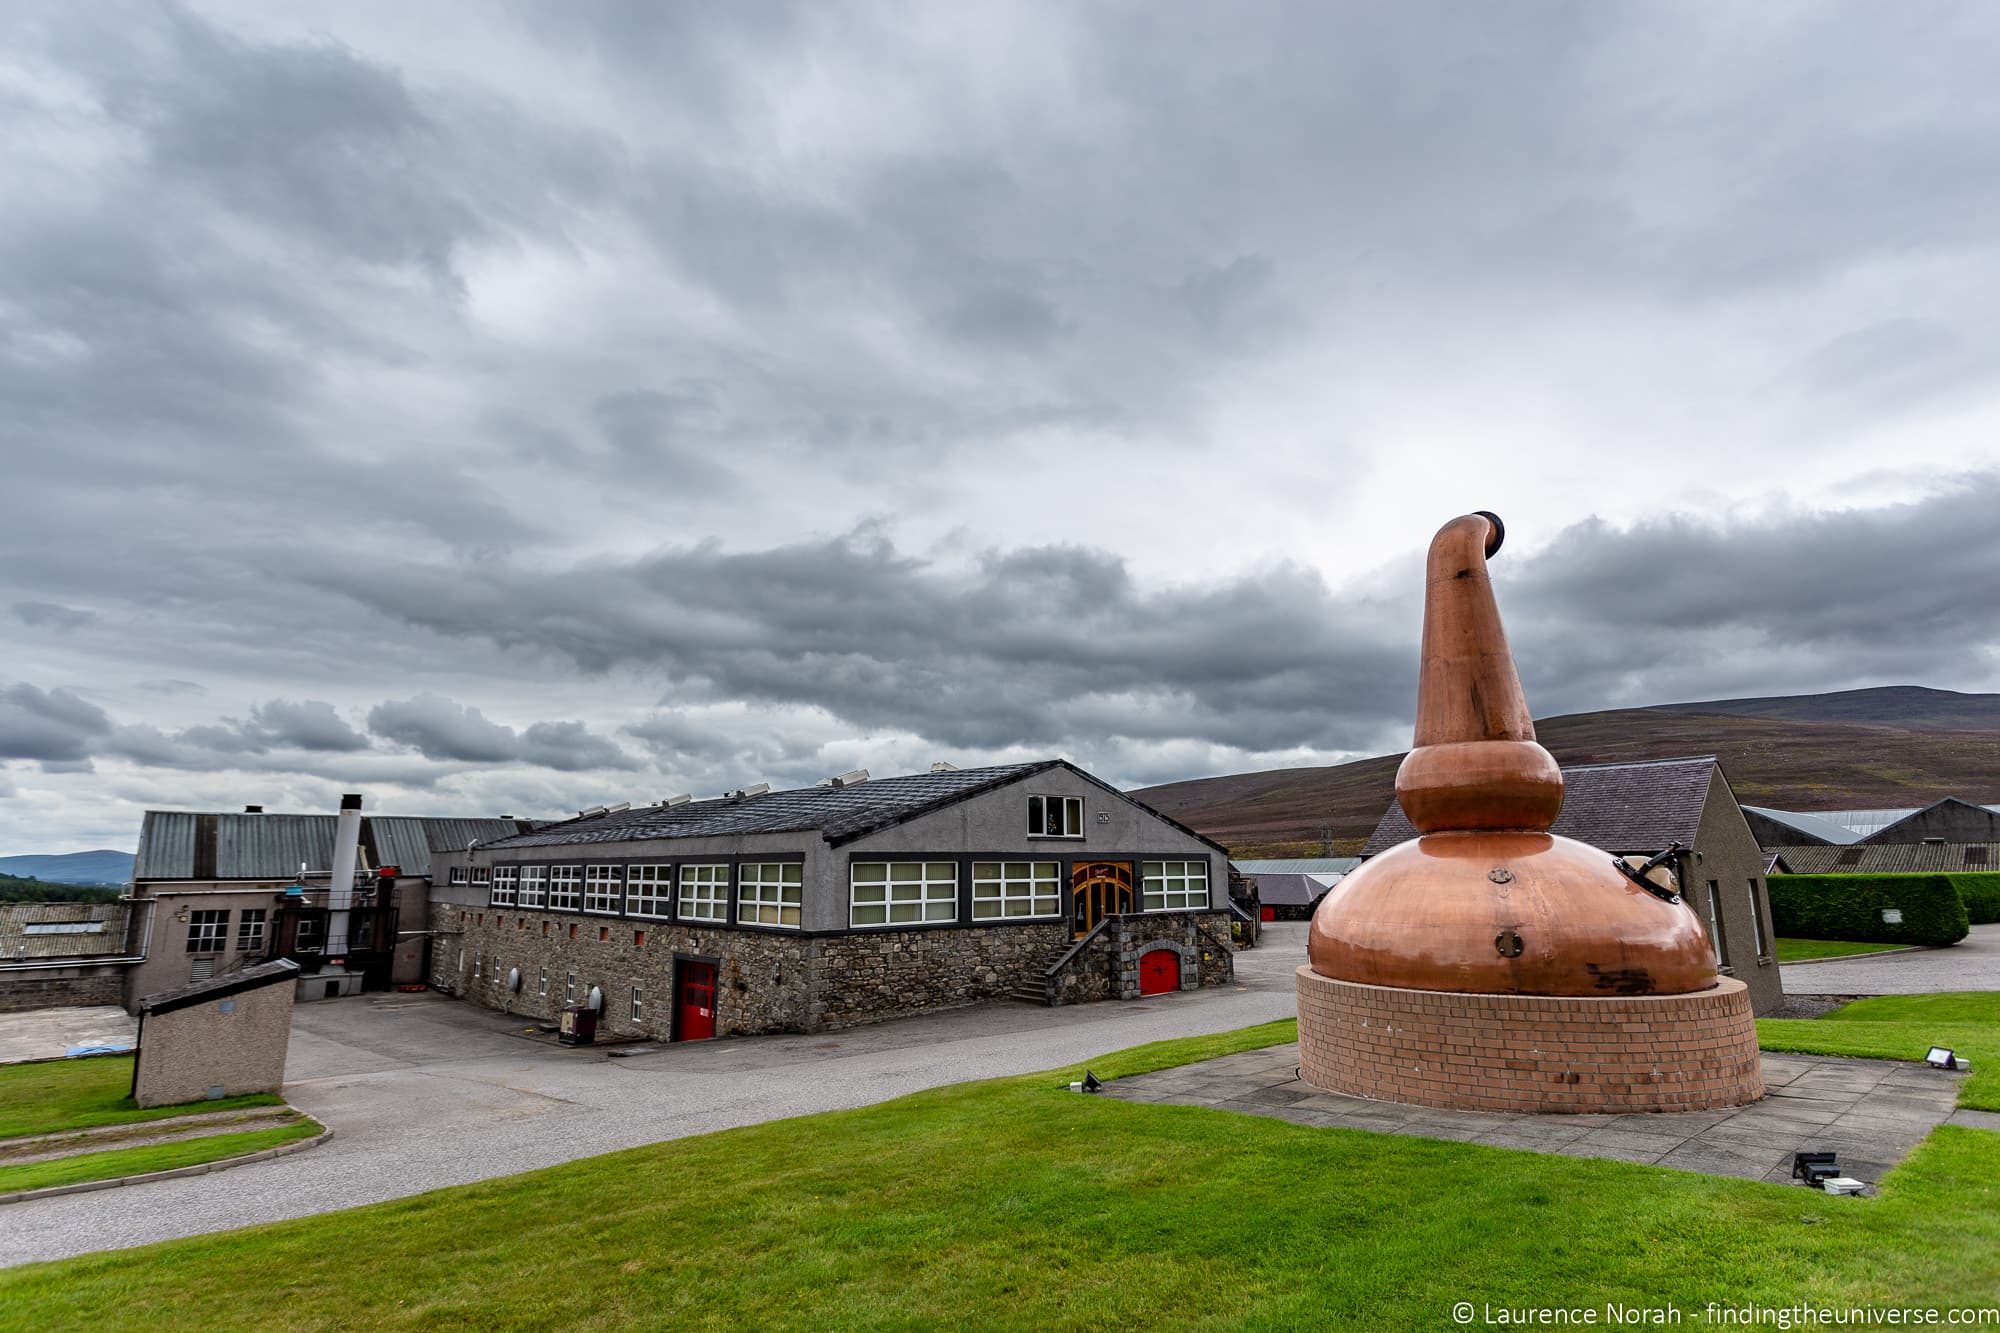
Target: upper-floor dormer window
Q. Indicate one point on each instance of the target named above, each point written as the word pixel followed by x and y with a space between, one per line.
pixel 1055 816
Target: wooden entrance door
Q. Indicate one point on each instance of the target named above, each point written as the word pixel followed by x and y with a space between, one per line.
pixel 1159 972
pixel 1098 889
pixel 694 1002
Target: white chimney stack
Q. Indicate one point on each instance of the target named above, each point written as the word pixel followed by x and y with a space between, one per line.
pixel 340 888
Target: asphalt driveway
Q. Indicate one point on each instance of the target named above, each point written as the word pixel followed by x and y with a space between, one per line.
pixel 1971 964
pixel 424 1091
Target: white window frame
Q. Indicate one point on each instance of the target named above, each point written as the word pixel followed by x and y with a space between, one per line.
pixel 506 884
pixel 542 985
pixel 1069 816
pixel 770 893
pixel 1016 890
pixel 638 1005
pixel 872 889
pixel 565 888
pixel 1174 886
pixel 569 988
pixel 704 892
pixel 312 935
pixel 603 886
pixel 534 884
pixel 247 940
pixel 481 876
pixel 658 904
pixel 1715 921
pixel 208 931
pixel 1757 923
pixel 459 875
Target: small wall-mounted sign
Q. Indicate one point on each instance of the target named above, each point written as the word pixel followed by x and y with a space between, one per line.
pixel 1892 916
pixel 1104 816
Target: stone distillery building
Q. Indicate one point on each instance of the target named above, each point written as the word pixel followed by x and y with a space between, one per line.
pixel 848 902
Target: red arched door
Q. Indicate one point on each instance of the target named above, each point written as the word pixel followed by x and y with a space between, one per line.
pixel 1098 889
pixel 1159 972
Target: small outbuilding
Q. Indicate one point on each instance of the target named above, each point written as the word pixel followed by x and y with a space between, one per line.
pixel 223 1037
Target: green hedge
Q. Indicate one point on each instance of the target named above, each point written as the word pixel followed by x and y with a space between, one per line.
pixel 1849 907
pixel 1981 895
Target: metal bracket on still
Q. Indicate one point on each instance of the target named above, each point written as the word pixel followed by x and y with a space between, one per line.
pixel 1639 874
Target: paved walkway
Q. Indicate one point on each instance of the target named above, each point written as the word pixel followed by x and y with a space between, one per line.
pixel 45 1034
pixel 1871 1112
pixel 425 1091
pixel 1971 964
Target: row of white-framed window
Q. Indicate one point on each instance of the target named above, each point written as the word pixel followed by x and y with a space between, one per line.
pixel 880 893
pixel 768 892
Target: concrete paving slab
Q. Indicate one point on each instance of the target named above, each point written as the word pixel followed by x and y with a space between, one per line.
pixel 49 1034
pixel 1974 1119
pixel 1857 1108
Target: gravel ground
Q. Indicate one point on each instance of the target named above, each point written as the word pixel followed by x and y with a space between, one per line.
pixel 425 1092
pixel 1971 964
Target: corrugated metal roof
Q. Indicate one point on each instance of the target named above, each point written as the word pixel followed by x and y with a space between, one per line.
pixel 272 846
pixel 1293 890
pixel 1622 808
pixel 1892 858
pixel 174 844
pixel 1813 826
pixel 166 845
pixel 1863 822
pixel 837 813
pixel 406 842
pixel 1306 865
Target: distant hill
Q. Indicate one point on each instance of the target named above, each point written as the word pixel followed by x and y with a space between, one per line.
pixel 1858 749
pixel 103 867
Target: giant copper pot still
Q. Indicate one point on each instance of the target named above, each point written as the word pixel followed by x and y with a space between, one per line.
pixel 1486 899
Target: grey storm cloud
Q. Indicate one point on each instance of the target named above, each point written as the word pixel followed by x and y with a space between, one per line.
pixel 738 388
pixel 53 726
pixel 50 615
pixel 440 728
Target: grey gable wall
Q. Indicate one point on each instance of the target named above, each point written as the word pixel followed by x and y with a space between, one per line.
pixel 995 823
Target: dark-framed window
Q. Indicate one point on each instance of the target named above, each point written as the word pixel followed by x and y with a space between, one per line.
pixel 208 932
pixel 602 887
pixel 250 930
pixel 565 888
pixel 506 882
pixel 1055 816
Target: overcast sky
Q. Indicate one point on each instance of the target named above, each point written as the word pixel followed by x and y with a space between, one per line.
pixel 514 408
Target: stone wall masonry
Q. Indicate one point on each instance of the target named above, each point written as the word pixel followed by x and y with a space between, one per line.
pixel 763 978
pixel 1108 968
pixel 863 978
pixel 1530 1052
pixel 61 987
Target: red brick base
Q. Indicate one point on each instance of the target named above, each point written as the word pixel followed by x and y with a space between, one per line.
pixel 1556 1053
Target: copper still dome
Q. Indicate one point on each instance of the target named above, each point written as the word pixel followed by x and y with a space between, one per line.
pixel 1486 899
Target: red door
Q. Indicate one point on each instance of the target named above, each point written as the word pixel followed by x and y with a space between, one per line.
pixel 1267 914
pixel 1159 972
pixel 695 1006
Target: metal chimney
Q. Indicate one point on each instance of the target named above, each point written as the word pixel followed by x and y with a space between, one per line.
pixel 340 888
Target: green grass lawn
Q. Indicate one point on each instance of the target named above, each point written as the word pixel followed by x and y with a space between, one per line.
pixel 1015 1204
pixel 153 1157
pixel 58 1095
pixel 1798 951
pixel 1903 1027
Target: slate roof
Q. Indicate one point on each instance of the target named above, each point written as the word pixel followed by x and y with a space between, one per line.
pixel 838 814
pixel 1893 858
pixel 182 844
pixel 1293 890
pixel 217 988
pixel 1623 808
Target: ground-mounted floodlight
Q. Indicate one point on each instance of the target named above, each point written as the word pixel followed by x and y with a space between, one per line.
pixel 1090 1083
pixel 1815 1168
pixel 1942 1057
